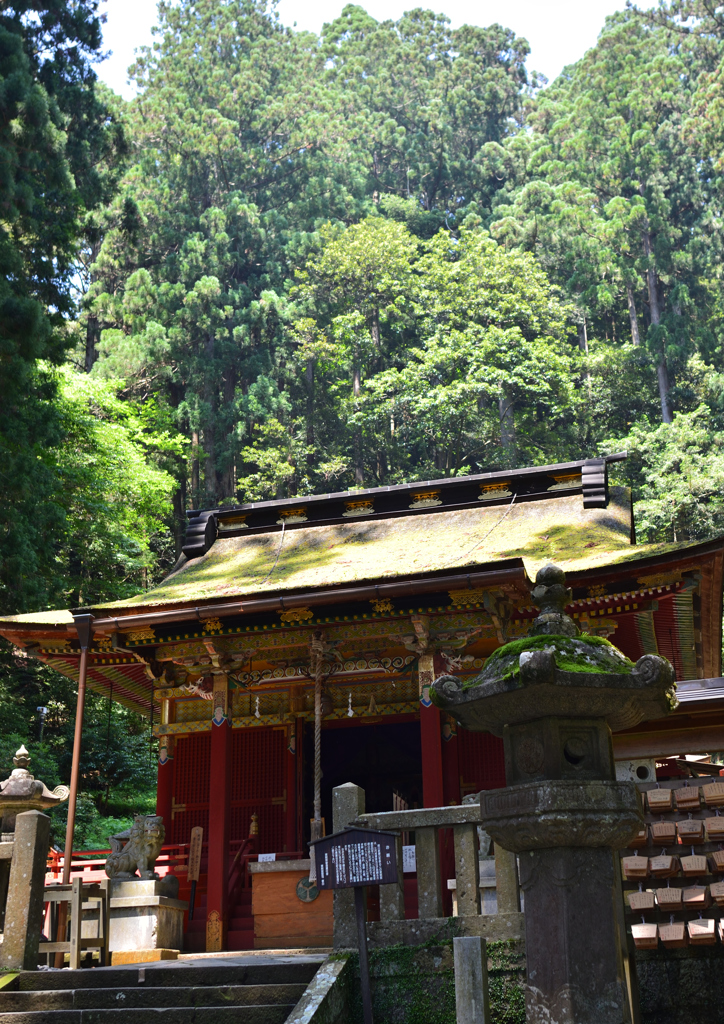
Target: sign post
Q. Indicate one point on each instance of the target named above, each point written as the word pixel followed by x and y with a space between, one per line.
pixel 353 859
pixel 197 840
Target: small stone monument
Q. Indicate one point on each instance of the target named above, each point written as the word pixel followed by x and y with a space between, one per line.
pixel 146 916
pixel 554 698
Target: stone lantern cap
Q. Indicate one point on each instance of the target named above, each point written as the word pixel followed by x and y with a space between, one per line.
pixel 23 792
pixel 556 670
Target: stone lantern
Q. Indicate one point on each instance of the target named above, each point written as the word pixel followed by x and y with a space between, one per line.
pixel 554 697
pixel 23 792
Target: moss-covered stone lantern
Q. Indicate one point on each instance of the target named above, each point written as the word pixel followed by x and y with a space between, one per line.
pixel 554 697
pixel 23 792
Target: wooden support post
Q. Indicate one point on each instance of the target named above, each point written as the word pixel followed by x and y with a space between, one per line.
pixel 166 774
pixel 84 627
pixel 430 726
pixel 219 815
pixel 76 918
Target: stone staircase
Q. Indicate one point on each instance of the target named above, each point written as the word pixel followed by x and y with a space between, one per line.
pixel 246 990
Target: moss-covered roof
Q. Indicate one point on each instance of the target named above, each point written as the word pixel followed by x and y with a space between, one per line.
pixel 557 529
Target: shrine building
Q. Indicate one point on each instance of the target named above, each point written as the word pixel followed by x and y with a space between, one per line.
pixel 368 596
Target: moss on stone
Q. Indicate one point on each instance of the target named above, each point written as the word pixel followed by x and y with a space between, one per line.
pixel 416 984
pixel 584 653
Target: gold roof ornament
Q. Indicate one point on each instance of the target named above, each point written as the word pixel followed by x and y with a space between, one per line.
pixel 565 480
pixel 598 590
pixel 358 508
pixel 460 598
pixel 293 515
pixel 489 492
pixel 137 636
pixel 426 499
pixel 235 522
pixel 382 607
pixel 213 626
pixel 660 579
pixel 296 615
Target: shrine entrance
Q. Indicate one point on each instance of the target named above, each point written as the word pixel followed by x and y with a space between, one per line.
pixel 385 760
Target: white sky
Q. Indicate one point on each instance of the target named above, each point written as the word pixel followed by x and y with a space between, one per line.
pixel 559 31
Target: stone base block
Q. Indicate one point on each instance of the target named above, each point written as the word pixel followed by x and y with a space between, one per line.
pixel 142 918
pixel 142 956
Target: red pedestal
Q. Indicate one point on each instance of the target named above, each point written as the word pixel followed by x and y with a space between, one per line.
pixel 219 814
pixel 164 795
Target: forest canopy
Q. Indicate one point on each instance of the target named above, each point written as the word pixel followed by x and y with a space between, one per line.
pixel 297 263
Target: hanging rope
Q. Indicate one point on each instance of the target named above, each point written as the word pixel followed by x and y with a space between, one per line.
pixel 317 650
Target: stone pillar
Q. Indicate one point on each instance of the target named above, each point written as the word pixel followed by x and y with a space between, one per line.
pixel 219 814
pixel 348 802
pixel 427 855
pixel 467 872
pixel 570 919
pixel 472 1004
pixel 392 897
pixel 506 881
pixel 24 909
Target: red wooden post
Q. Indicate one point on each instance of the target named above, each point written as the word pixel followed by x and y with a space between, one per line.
pixel 165 785
pixel 291 788
pixel 450 761
pixel 432 789
pixel 219 815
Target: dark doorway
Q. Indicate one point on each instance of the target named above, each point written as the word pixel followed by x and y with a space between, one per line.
pixel 382 759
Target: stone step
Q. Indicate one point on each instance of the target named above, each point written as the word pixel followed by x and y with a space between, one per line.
pixel 275 1014
pixel 183 974
pixel 145 996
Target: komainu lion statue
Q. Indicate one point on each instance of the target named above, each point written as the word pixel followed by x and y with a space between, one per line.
pixel 136 849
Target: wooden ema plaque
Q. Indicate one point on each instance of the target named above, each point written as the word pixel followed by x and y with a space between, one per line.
pixel 674 935
pixel 694 866
pixel 714 829
pixel 636 867
pixel 717 891
pixel 687 798
pixel 669 898
pixel 645 936
pixel 664 866
pixel 663 833
pixel 702 932
pixel 659 800
pixel 690 831
pixel 696 897
pixel 641 840
pixel 713 794
pixel 642 901
pixel 684 879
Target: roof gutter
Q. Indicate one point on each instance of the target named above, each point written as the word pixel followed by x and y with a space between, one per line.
pixel 337 595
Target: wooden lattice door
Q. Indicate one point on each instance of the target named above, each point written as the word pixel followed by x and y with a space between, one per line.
pixel 258 784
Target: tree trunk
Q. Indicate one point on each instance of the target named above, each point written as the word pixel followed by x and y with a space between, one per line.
pixel 309 382
pixel 662 370
pixel 92 328
pixel 209 430
pixel 359 476
pixel 507 425
pixel 583 337
pixel 195 480
pixel 632 316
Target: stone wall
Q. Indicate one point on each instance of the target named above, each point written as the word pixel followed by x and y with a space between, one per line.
pixel 681 986
pixel 416 984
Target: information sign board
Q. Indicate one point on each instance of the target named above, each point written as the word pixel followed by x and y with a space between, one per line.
pixel 356 857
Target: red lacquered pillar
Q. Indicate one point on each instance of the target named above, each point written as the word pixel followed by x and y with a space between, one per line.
pixel 219 816
pixel 430 735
